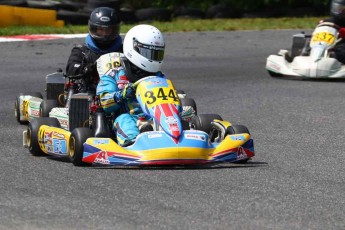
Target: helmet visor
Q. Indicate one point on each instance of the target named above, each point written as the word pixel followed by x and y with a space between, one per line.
pixel 151 52
pixel 107 33
pixel 338 9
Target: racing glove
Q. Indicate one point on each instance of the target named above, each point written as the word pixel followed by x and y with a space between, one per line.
pixel 127 93
pixel 90 67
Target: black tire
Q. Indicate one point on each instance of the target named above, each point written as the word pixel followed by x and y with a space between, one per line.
pixel 76 148
pixel 189 102
pixel 21 3
pixel 274 74
pixel 127 15
pixel 115 4
pixel 223 11
pixel 153 14
pixel 72 17
pixel 237 129
pixel 188 12
pixel 49 5
pixel 46 106
pixel 32 133
pixel 71 5
pixel 203 122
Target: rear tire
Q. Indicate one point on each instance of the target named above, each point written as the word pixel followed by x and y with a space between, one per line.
pixel 46 106
pixel 76 145
pixel 203 122
pixel 274 74
pixel 32 133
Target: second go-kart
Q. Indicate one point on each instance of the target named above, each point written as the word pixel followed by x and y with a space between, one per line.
pixel 311 56
pixel 173 140
pixel 29 106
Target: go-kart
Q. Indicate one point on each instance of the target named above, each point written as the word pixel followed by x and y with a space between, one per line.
pixel 82 109
pixel 173 139
pixel 311 56
pixel 72 101
pixel 29 106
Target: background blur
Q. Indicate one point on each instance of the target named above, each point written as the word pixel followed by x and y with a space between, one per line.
pixel 133 11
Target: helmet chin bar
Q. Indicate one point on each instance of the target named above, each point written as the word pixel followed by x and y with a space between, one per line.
pixel 139 73
pixel 103 43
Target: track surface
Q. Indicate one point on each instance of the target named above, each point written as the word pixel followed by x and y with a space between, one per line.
pixel 296 180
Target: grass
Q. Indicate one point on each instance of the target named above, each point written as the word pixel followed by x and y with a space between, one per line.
pixel 182 25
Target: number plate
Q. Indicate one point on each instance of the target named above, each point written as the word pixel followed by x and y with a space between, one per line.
pixel 323 37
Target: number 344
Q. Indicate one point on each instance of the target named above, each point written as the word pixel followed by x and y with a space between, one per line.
pixel 161 95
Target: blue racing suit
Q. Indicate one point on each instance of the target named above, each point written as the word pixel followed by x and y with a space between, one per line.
pixel 110 90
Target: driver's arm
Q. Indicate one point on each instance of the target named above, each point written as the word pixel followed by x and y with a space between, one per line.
pixel 75 61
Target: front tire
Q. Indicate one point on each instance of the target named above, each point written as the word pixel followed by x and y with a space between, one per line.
pixel 237 129
pixel 203 122
pixel 32 133
pixel 76 145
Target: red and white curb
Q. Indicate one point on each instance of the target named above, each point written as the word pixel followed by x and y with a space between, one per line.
pixel 33 37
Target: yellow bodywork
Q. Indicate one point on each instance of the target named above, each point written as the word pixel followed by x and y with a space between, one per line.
pixel 47 134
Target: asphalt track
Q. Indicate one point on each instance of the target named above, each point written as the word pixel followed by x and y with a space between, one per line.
pixel 296 180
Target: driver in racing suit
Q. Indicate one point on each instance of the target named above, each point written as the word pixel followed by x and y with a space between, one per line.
pixel 143 52
pixel 337 12
pixel 103 37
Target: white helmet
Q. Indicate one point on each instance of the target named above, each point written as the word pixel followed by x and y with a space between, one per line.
pixel 144 47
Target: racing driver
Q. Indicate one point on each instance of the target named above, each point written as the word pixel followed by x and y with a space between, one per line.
pixel 143 48
pixel 104 37
pixel 337 17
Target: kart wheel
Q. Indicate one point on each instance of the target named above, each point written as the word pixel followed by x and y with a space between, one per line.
pixel 203 122
pixel 46 106
pixel 76 148
pixel 274 74
pixel 17 111
pixel 32 133
pixel 189 102
pixel 237 129
pixel 189 109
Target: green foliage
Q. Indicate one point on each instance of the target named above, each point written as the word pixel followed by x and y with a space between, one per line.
pixel 242 5
pixel 181 25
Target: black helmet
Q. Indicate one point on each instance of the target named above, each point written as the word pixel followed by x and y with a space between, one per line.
pixel 338 11
pixel 104 26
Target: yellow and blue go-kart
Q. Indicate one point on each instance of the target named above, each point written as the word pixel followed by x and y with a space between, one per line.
pixel 204 139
